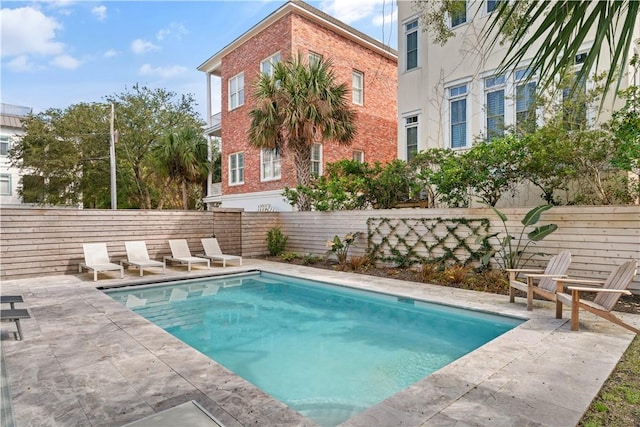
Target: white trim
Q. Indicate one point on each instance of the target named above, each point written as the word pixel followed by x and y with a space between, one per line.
pixel 240 181
pixel 239 92
pixel 275 163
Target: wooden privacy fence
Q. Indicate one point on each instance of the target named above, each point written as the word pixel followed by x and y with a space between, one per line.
pixel 36 242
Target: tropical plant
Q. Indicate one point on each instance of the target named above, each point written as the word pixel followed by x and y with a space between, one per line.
pixel 559 29
pixel 341 247
pixel 510 251
pixel 276 241
pixel 182 157
pixel 300 104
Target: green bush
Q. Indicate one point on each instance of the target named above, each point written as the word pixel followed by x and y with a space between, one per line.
pixel 276 241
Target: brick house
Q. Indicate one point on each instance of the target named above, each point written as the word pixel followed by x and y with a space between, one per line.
pixel 254 179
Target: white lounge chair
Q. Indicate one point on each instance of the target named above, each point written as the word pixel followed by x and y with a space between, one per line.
pixel 138 256
pixel 180 253
pixel 96 259
pixel 213 252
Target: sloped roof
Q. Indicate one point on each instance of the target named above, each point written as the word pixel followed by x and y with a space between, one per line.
pixel 212 65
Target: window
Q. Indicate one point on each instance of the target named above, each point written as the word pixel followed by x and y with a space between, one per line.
pixel 458 116
pixel 525 100
pixel 5 145
pixel 459 13
pixel 411 33
pixel 411 136
pixel 267 66
pixel 236 91
pixel 314 58
pixel 270 164
pixel 236 169
pixel 574 99
pixel 492 5
pixel 5 184
pixel 357 89
pixel 316 159
pixel 494 106
pixel 358 156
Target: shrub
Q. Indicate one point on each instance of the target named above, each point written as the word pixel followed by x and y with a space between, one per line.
pixel 289 256
pixel 341 247
pixel 276 241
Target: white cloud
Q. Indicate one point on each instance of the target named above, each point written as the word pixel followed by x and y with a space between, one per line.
pixel 100 12
pixel 65 61
pixel 164 72
pixel 173 30
pixel 350 11
pixel 21 63
pixel 26 30
pixel 111 53
pixel 140 46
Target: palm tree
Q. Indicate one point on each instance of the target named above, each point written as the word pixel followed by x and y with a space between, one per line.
pixel 183 157
pixel 297 105
pixel 562 27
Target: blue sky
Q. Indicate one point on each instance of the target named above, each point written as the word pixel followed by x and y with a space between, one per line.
pixel 59 53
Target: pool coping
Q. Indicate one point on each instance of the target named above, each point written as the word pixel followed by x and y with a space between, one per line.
pixel 87 360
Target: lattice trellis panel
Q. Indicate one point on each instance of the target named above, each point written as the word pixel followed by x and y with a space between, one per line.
pixel 408 241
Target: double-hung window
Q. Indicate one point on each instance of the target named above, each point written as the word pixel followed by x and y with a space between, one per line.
pixel 411 36
pixel 458 116
pixel 5 184
pixel 459 13
pixel 314 58
pixel 525 101
pixel 236 169
pixel 316 159
pixel 269 164
pixel 358 156
pixel 236 91
pixel 267 65
pixel 5 145
pixel 494 106
pixel 357 88
pixel 411 136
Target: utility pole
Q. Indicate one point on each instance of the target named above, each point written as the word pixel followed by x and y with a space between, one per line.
pixel 112 157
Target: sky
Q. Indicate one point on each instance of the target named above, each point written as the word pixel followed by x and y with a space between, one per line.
pixel 59 53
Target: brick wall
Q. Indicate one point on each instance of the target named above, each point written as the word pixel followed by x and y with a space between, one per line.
pixel 377 118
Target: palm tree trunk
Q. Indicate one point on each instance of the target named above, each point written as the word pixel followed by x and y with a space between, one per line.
pixel 185 195
pixel 302 159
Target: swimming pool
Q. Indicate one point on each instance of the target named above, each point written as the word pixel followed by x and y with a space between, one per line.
pixel 327 351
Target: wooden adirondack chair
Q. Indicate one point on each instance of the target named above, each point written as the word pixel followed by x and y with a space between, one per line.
pixel 608 295
pixel 546 287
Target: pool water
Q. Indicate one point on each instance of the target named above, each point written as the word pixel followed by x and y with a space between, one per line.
pixel 327 351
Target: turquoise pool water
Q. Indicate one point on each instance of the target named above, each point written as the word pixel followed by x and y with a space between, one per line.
pixel 327 351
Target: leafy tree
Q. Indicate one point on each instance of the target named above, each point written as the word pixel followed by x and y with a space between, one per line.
pixel 182 157
pixel 297 105
pixel 143 117
pixel 65 153
pixel 65 156
pixel 390 184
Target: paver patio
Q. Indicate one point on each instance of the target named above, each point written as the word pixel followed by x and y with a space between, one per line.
pixel 86 360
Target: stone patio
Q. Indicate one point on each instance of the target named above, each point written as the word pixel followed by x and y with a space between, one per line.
pixel 86 360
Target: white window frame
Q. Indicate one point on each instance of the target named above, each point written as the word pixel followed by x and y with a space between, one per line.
pixel 411 29
pixel 5 141
pixel 522 79
pixel 314 57
pixel 236 174
pixel 466 17
pixel 6 178
pixel 267 64
pixel 357 87
pixel 269 165
pixel 358 156
pixel 316 159
pixel 236 91
pixel 411 122
pixel 455 93
pixel 495 84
